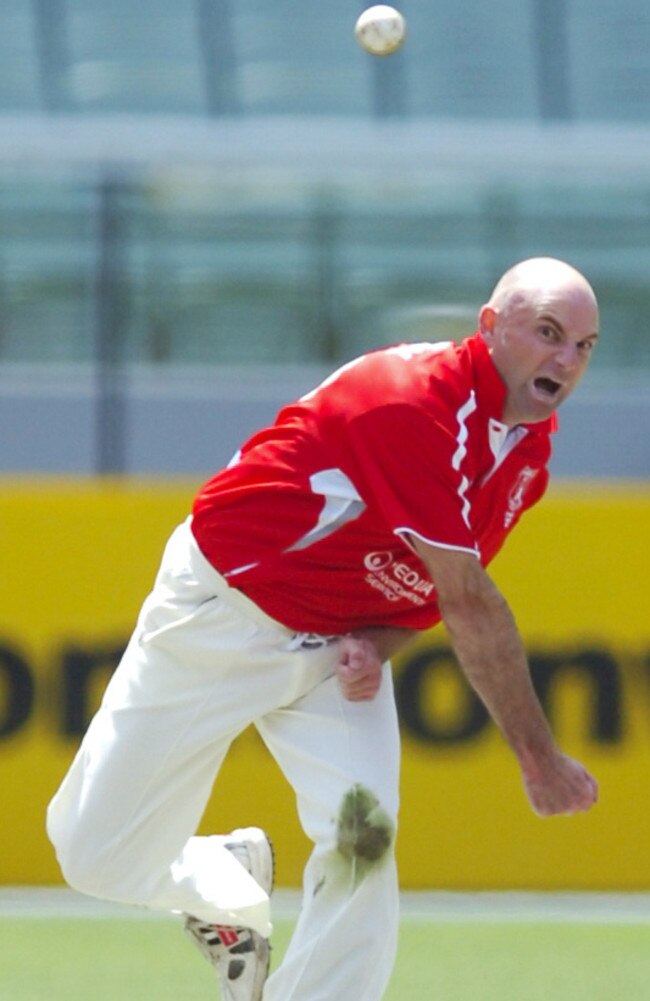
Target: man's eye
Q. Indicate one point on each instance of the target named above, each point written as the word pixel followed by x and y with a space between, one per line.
pixel 549 333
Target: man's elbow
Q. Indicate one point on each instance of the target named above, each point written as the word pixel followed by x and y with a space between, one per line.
pixel 468 597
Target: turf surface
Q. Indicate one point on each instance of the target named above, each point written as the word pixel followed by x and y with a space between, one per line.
pixel 134 960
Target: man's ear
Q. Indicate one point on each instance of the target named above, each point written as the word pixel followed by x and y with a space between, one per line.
pixel 486 321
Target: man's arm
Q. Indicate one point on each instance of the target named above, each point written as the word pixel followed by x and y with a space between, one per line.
pixel 490 651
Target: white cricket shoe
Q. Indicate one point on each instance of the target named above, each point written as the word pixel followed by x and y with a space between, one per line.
pixel 240 956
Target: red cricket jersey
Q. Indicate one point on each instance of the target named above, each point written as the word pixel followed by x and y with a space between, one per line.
pixel 310 518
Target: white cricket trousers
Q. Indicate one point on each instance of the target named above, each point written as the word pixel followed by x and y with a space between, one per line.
pixel 203 663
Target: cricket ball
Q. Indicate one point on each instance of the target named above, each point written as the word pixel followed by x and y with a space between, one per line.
pixel 380 30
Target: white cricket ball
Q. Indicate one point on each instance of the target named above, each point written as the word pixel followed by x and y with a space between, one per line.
pixel 380 30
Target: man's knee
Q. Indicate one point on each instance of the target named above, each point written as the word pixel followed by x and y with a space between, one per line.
pixel 75 861
pixel 82 856
pixel 365 831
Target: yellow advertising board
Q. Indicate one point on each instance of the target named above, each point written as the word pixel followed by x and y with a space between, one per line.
pixel 79 557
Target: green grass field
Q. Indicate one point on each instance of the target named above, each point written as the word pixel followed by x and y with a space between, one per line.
pixel 97 959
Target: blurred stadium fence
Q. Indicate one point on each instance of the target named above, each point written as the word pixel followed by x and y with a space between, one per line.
pixel 208 194
pixel 150 271
pixel 547 60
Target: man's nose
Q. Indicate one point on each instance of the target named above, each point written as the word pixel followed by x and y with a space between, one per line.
pixel 568 356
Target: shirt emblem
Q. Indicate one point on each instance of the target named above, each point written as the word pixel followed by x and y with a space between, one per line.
pixel 516 495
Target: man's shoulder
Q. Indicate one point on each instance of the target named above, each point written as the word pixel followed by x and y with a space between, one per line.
pixel 426 377
pixel 420 368
pixel 414 354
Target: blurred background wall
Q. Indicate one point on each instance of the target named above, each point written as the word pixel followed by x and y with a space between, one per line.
pixel 205 205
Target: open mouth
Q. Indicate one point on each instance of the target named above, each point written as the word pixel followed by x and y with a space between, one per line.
pixel 547 386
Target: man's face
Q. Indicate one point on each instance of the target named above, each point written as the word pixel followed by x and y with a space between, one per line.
pixel 540 343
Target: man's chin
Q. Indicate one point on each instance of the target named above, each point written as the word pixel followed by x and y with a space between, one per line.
pixel 535 411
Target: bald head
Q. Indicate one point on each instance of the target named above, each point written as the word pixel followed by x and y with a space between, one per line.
pixel 541 278
pixel 540 325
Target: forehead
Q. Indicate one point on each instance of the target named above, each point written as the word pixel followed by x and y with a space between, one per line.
pixel 570 307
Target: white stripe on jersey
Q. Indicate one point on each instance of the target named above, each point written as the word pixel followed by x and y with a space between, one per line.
pixel 467 408
pixel 342 504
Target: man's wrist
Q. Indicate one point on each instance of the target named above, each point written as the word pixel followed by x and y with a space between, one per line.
pixel 536 756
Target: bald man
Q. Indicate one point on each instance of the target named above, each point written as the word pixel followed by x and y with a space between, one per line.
pixel 369 510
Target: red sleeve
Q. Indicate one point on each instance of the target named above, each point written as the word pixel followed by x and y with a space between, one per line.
pixel 403 460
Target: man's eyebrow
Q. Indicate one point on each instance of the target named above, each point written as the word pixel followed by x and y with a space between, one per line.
pixel 549 318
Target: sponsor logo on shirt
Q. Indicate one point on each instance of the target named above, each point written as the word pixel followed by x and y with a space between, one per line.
pixel 378 561
pixel 516 496
pixel 396 580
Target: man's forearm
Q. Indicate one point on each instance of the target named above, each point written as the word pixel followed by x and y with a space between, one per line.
pixel 491 653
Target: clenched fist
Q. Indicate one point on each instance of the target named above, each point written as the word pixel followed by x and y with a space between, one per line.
pixel 359 668
pixel 559 785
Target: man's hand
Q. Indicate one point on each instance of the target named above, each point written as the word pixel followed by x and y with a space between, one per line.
pixel 560 786
pixel 359 668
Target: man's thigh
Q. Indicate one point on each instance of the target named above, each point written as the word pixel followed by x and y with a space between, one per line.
pixel 342 758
